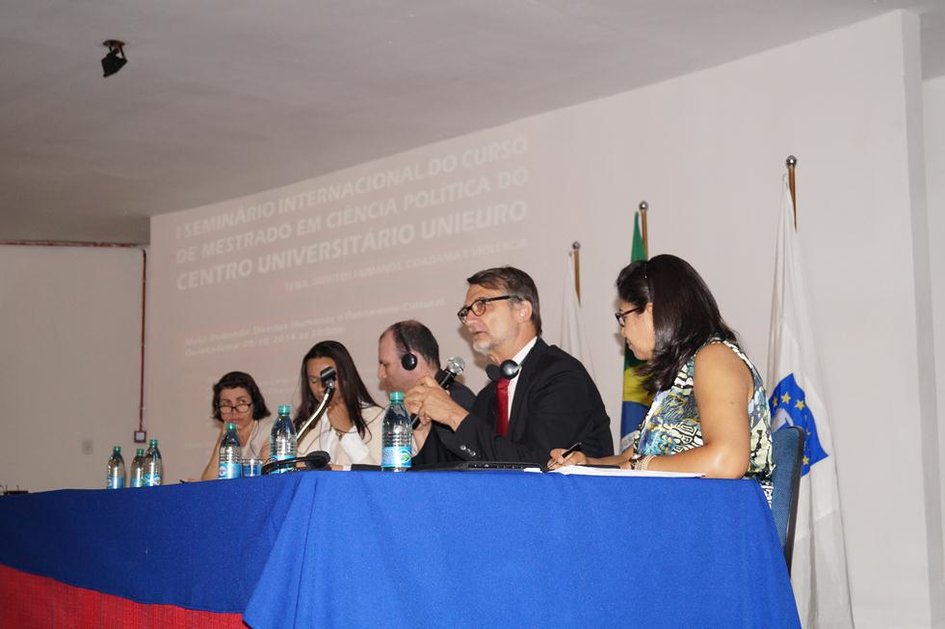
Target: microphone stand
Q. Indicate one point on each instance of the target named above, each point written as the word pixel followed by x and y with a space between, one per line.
pixel 319 411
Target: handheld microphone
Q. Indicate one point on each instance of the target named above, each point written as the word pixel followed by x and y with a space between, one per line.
pixel 444 377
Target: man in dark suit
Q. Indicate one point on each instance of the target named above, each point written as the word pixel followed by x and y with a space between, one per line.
pixel 540 398
pixel 407 352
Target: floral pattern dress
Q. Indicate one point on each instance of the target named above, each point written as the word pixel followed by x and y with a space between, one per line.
pixel 672 424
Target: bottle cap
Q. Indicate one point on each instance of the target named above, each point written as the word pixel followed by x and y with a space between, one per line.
pixel 284 409
pixel 230 426
pixel 139 452
pixel 116 449
pixel 397 396
pixel 153 443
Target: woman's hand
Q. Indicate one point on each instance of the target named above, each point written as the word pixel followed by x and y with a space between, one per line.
pixel 211 471
pixel 579 458
pixel 556 460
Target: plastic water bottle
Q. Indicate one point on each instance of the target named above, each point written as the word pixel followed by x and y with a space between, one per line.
pixel 137 469
pixel 115 470
pixel 397 443
pixel 153 467
pixel 282 440
pixel 230 453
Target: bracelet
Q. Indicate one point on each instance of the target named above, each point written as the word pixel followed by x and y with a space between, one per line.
pixel 643 463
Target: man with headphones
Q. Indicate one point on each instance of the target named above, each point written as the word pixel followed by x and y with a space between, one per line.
pixel 539 397
pixel 406 352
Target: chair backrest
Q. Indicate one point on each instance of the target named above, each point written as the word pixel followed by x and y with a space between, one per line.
pixel 788 454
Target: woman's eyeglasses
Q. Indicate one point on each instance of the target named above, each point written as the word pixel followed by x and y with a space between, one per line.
pixel 239 408
pixel 622 316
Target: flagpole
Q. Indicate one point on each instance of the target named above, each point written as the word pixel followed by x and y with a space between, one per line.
pixel 576 258
pixel 646 242
pixel 791 162
pixel 820 572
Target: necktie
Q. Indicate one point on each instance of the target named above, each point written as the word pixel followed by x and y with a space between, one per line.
pixel 502 402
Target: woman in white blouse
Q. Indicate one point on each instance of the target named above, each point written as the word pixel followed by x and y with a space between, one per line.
pixel 350 430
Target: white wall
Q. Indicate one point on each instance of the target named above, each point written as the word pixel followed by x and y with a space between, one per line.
pixel 934 119
pixel 69 363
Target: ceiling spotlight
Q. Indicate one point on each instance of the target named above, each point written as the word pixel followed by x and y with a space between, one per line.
pixel 115 59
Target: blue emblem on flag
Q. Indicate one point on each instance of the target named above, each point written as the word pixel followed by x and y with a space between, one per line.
pixel 788 406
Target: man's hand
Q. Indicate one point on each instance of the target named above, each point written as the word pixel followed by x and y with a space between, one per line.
pixel 429 401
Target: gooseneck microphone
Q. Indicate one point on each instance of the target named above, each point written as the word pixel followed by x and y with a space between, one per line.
pixel 444 377
pixel 317 459
pixel 328 377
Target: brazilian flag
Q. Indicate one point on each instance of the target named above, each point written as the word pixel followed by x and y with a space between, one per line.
pixel 636 401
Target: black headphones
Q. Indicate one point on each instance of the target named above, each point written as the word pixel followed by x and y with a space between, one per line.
pixel 506 371
pixel 409 360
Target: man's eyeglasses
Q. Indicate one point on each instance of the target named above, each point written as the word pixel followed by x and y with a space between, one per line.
pixel 239 408
pixel 478 307
pixel 622 316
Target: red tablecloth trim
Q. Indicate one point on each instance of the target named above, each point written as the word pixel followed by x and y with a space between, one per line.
pixel 27 600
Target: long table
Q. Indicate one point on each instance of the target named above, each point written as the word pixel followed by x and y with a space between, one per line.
pixel 467 549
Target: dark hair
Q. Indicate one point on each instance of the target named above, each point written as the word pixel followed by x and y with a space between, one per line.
pixel 413 336
pixel 236 379
pixel 356 395
pixel 685 314
pixel 516 283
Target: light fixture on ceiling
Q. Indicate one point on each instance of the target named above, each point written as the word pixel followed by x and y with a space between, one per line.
pixel 115 60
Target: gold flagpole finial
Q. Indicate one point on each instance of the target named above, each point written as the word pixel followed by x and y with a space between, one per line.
pixel 791 163
pixel 644 206
pixel 576 260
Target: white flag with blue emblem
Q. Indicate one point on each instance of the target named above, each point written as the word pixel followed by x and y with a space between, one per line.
pixel 819 570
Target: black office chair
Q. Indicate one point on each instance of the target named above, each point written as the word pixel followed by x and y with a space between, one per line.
pixel 788 455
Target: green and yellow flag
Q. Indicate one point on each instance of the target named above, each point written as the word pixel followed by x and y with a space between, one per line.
pixel 636 401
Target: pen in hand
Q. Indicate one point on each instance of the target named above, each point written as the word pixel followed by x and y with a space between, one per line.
pixel 575 448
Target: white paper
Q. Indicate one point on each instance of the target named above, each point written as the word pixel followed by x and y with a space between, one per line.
pixel 583 470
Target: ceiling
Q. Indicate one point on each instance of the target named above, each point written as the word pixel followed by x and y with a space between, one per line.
pixel 222 98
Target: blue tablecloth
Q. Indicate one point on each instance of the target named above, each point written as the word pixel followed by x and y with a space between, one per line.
pixel 419 549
